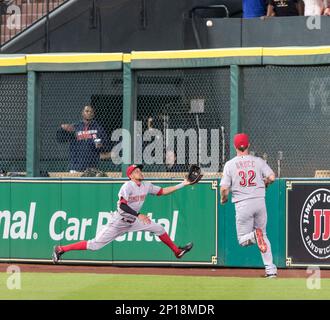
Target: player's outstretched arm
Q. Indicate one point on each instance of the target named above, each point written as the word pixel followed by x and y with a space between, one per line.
pixel 172 189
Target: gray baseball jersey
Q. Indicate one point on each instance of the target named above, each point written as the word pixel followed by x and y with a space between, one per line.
pixel 245 176
pixel 134 195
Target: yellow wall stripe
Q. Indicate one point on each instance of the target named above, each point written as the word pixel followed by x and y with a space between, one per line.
pixel 16 60
pixel 296 51
pixel 192 54
pixel 74 58
pixel 8 61
pixel 127 58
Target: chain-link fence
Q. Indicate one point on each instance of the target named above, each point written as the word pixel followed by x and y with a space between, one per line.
pixel 175 110
pixel 286 111
pixel 182 116
pixel 13 108
pixel 79 112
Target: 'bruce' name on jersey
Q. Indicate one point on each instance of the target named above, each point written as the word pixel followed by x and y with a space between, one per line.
pixel 245 176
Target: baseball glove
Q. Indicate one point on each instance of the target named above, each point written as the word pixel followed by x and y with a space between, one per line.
pixel 194 174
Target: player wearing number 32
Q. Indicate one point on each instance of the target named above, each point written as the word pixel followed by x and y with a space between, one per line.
pixel 247 177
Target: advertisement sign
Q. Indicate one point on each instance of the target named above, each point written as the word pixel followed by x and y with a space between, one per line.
pixel 35 215
pixel 308 223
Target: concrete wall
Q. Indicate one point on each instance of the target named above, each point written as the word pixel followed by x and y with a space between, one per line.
pixel 125 26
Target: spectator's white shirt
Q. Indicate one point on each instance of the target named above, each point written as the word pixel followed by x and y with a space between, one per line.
pixel 314 7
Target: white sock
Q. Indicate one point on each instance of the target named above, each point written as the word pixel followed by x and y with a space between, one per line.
pixel 267 258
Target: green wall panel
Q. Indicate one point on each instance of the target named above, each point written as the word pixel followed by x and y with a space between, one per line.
pixel 36 203
pixel 86 204
pixel 187 217
pixel 237 256
pixel 5 206
pixel 49 212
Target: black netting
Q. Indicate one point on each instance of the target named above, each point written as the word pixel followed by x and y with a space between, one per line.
pixel 189 99
pixel 63 98
pixel 13 108
pixel 286 111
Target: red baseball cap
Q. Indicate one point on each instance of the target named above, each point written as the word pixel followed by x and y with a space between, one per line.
pixel 131 168
pixel 241 140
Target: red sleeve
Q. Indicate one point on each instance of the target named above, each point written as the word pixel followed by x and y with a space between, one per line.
pixel 122 200
pixel 160 192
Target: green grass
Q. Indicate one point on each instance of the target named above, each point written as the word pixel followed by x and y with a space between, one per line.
pixel 52 286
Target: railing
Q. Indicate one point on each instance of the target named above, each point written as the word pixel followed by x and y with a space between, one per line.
pixel 18 15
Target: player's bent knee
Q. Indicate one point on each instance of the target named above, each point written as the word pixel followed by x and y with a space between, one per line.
pixel 159 230
pixel 93 245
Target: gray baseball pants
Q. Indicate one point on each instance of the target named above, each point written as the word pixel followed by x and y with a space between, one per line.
pixel 117 227
pixel 250 215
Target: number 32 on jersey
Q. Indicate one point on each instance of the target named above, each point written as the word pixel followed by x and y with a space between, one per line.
pixel 247 178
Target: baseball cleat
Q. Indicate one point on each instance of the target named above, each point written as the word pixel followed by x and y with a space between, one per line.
pixel 57 252
pixel 184 250
pixel 271 275
pixel 260 240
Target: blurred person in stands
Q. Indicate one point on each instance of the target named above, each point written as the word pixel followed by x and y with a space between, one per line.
pixel 254 8
pixel 284 8
pixel 88 141
pixel 316 7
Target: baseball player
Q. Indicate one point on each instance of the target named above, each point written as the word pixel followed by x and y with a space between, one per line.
pixel 247 176
pixel 128 217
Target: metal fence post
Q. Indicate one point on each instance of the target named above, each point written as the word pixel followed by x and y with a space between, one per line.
pixel 128 112
pixel 33 127
pixel 235 104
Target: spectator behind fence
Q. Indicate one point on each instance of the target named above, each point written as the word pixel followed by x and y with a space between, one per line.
pixel 254 8
pixel 316 7
pixel 88 141
pixel 283 8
